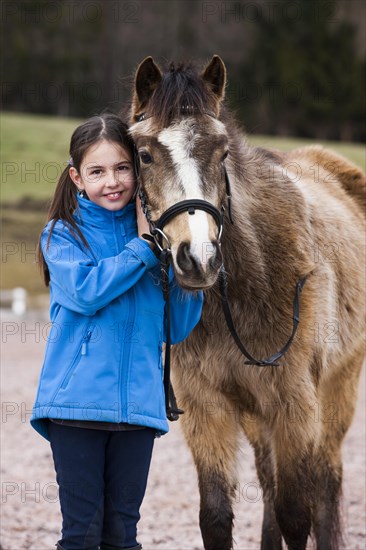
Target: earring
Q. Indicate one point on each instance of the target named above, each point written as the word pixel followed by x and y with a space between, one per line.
pixel 81 193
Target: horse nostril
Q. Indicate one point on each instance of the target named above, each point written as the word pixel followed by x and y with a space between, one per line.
pixel 184 259
pixel 189 263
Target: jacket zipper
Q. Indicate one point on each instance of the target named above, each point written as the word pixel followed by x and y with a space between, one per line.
pixel 122 407
pixel 126 355
pixel 81 351
pixel 85 341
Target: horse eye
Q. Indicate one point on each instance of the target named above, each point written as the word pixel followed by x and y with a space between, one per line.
pixel 224 156
pixel 145 157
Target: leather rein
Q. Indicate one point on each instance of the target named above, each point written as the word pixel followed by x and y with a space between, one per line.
pixel 161 241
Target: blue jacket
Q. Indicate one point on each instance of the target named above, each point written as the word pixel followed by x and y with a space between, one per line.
pixel 103 358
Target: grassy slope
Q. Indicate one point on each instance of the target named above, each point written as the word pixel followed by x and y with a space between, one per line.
pixel 34 151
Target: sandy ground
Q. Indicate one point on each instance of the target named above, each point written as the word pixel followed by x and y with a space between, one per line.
pixel 30 517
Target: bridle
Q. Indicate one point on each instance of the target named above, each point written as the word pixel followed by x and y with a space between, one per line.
pixel 161 240
pixel 190 206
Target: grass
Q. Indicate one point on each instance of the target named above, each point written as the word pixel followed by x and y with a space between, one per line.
pixel 34 151
pixel 19 265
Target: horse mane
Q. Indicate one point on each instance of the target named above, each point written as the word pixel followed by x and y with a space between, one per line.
pixel 181 92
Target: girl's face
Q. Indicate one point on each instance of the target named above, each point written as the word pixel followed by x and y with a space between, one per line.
pixel 106 175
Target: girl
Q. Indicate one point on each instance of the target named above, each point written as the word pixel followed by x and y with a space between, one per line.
pixel 100 399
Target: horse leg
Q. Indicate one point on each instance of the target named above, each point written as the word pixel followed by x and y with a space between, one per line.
pixel 293 503
pixel 326 520
pixel 338 399
pixel 271 538
pixel 271 535
pixel 210 427
pixel 293 443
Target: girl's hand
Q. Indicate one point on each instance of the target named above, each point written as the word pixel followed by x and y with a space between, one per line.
pixel 142 223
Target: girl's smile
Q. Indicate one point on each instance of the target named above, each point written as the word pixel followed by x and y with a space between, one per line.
pixel 114 196
pixel 106 175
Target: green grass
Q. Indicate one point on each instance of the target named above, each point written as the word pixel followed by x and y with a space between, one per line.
pixel 19 267
pixel 34 151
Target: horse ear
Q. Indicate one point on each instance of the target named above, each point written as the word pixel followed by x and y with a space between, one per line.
pixel 215 76
pixel 148 76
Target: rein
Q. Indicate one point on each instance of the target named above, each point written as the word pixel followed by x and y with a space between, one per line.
pixel 157 237
pixel 271 361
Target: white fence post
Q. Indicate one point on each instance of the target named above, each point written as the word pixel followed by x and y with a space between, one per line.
pixel 16 299
pixel 19 303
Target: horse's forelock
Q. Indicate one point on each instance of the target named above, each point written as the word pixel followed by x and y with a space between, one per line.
pixel 181 92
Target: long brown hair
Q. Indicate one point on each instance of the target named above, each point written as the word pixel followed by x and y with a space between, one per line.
pixel 64 202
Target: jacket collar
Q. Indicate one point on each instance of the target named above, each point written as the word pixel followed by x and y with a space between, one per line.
pixel 92 214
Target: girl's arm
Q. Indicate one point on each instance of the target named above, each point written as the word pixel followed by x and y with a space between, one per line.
pixel 85 285
pixel 185 311
pixel 185 307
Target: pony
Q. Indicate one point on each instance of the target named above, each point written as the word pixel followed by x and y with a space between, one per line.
pixel 294 215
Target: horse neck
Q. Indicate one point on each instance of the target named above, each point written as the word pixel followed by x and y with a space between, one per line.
pixel 260 256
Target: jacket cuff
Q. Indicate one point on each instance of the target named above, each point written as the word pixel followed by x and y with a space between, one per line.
pixel 142 250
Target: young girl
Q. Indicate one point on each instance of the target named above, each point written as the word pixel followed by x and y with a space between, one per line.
pixel 100 399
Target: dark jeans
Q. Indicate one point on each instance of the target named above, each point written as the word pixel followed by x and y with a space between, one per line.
pixel 102 478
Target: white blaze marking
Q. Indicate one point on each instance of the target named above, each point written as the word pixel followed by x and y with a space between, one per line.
pixel 179 140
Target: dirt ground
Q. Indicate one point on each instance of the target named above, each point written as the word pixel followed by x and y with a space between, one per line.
pixel 30 517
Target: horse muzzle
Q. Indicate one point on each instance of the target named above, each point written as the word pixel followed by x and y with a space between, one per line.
pixel 196 265
pixel 194 272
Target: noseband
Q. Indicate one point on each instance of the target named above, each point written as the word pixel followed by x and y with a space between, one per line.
pixel 157 237
pixel 190 206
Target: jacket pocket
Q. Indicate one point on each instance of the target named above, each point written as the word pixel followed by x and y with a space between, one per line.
pixel 80 352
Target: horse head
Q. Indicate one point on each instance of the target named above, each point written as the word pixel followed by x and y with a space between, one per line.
pixel 181 148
